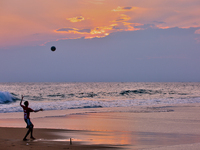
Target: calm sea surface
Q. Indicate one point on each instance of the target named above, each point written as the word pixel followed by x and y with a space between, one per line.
pixel 62 96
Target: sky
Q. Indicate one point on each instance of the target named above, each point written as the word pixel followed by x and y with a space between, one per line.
pixel 100 41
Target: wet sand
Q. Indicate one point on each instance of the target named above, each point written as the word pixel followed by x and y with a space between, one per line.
pixel 158 127
pixel 10 138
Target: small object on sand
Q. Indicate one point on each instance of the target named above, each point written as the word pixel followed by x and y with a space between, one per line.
pixel 27 144
pixel 70 141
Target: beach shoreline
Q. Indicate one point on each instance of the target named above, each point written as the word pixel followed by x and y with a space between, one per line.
pixel 152 127
pixel 11 138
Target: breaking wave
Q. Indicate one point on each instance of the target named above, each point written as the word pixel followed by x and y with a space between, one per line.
pixel 6 97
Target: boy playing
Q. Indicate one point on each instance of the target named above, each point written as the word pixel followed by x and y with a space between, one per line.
pixel 27 111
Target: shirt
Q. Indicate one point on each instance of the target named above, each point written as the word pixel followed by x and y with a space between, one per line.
pixel 27 111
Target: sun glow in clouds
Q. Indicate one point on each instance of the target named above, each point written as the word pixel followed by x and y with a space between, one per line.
pixel 121 24
pixel 100 31
pixel 76 19
pixel 88 33
pixel 90 18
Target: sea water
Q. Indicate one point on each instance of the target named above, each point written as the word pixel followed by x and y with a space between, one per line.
pixel 76 96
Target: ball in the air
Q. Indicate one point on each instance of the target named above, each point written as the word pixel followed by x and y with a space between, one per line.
pixel 53 48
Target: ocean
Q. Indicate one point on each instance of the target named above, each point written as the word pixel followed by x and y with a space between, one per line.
pixel 76 96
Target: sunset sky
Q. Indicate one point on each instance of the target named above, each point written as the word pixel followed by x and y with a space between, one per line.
pixel 100 41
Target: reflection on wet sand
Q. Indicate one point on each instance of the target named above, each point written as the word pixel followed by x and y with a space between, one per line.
pixel 125 139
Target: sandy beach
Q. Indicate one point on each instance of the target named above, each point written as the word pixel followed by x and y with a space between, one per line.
pixel 10 138
pixel 159 127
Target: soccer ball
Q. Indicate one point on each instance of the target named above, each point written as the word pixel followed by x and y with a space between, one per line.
pixel 53 48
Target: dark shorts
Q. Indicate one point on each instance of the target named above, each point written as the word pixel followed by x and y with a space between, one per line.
pixel 29 123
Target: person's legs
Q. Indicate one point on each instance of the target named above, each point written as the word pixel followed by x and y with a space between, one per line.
pixel 30 126
pixel 32 134
pixel 29 130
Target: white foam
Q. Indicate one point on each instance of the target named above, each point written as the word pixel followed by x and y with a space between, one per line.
pixel 81 104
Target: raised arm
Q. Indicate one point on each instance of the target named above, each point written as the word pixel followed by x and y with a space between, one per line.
pixel 21 100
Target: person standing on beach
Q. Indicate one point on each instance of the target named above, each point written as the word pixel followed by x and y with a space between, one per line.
pixel 27 111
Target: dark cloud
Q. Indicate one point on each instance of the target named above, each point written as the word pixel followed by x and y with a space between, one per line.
pixel 159 22
pixel 80 17
pixel 65 29
pixel 123 8
pixel 122 18
pixel 85 30
pixel 119 20
pixel 73 29
pixel 127 8
pixel 146 26
pixel 116 27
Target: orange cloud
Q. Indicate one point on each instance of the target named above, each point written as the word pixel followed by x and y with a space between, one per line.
pixel 102 30
pixel 120 24
pixel 132 26
pixel 104 16
pixel 99 32
pixel 76 19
